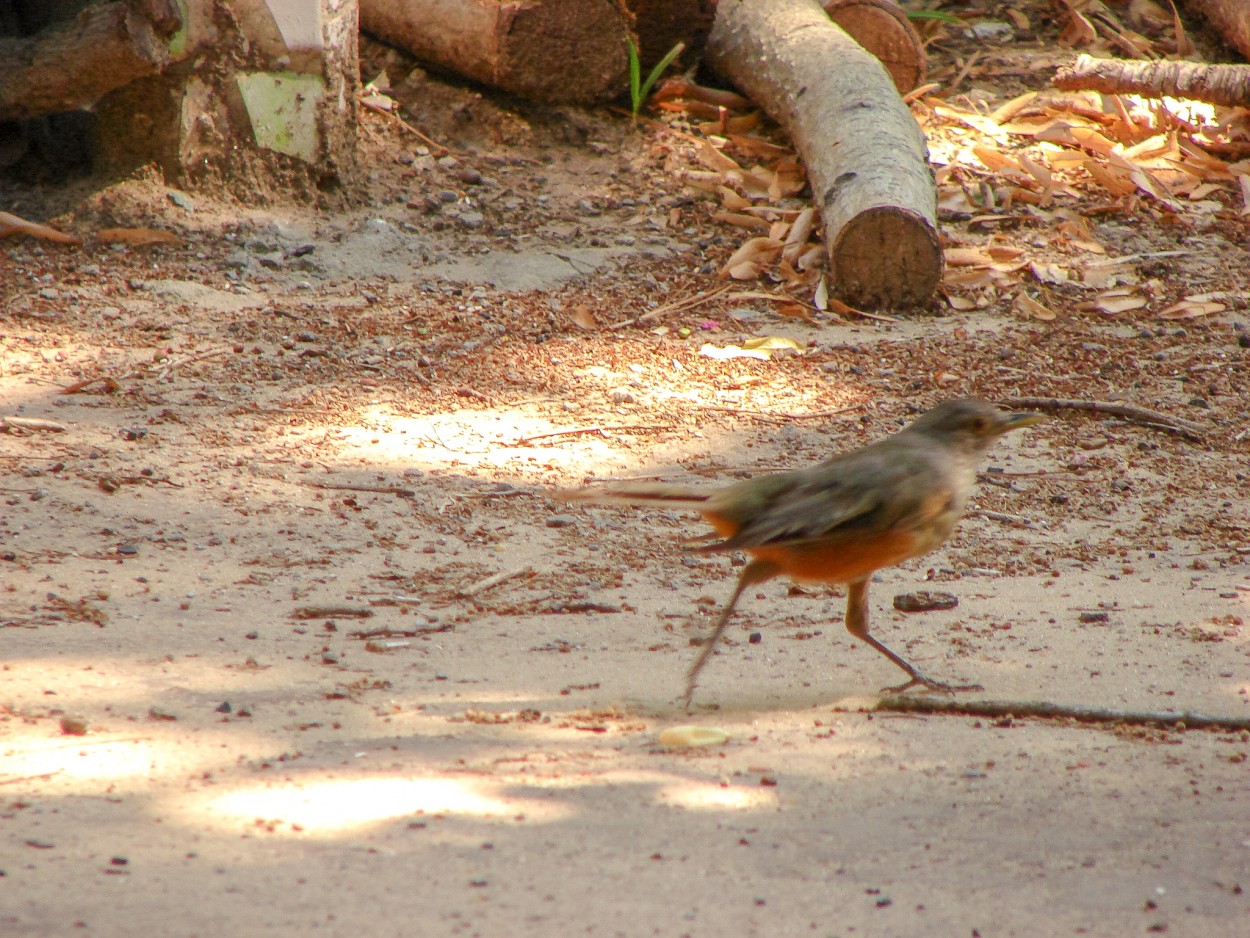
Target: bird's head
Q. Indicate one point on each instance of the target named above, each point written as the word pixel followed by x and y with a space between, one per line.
pixel 972 423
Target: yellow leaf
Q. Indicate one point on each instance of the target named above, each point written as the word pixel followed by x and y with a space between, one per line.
pixel 771 343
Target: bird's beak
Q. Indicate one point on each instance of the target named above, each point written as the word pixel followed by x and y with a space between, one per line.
pixel 1018 420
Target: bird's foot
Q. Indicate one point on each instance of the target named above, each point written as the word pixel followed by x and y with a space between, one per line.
pixel 928 683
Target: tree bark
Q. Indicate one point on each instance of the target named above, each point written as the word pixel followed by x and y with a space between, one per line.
pixel 866 157
pixel 1229 18
pixel 881 27
pixel 554 51
pixel 72 65
pixel 1227 85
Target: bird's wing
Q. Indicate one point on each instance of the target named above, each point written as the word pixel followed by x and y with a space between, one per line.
pixel 865 492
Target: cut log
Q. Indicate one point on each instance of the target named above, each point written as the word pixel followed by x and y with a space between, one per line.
pixel 1229 18
pixel 72 65
pixel 1228 85
pixel 866 157
pixel 881 27
pixel 554 51
pixel 661 24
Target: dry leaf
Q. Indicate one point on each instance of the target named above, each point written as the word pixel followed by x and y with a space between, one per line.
pixel 725 125
pixel 1049 272
pixel 137 237
pixel 798 234
pixel 756 252
pixel 741 221
pixel 11 225
pixel 1192 308
pixel 1033 308
pixel 582 317
pixel 967 257
pixel 795 311
pixel 811 259
pixel 714 159
pixel 994 160
pixel 1114 181
pixel 1004 252
pixel 820 299
pixel 1005 112
pixel 759 148
pixel 974 277
pixel 1114 302
pixel 732 200
pixel 1018 19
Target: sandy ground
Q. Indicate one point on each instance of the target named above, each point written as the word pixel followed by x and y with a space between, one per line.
pixel 257 679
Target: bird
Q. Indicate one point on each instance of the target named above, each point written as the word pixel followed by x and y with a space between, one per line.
pixel 843 519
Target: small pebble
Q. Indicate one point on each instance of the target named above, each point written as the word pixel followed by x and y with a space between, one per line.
pixel 925 601
pixel 73 726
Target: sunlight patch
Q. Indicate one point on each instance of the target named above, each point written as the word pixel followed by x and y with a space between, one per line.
pixel 336 806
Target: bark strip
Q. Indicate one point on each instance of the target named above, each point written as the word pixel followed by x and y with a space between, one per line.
pixel 1227 85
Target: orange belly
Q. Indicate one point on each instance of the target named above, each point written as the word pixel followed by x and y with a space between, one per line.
pixel 845 562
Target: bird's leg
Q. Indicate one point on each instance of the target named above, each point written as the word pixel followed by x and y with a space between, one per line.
pixel 757 571
pixel 857 625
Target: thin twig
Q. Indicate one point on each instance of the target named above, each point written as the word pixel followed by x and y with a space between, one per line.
pixel 486 583
pixel 600 429
pixel 1044 709
pixel 111 383
pixel 363 487
pixel 29 778
pixel 406 633
pixel 780 415
pixel 31 423
pixel 443 150
pixel 1151 418
pixel 1002 516
pixel 690 302
pixel 331 612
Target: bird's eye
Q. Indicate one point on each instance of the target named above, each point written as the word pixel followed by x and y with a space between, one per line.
pixel 979 424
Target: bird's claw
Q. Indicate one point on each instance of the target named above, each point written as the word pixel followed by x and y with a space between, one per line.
pixel 928 683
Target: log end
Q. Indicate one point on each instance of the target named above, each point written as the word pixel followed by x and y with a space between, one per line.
pixel 886 257
pixel 882 28
pixel 565 51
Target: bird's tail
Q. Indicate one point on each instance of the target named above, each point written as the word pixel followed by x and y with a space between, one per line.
pixel 637 493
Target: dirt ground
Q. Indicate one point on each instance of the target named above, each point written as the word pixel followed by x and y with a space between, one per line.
pixel 295 642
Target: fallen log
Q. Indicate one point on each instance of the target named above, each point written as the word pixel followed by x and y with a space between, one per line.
pixel 554 51
pixel 866 158
pixel 1229 18
pixel 1228 85
pixel 73 64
